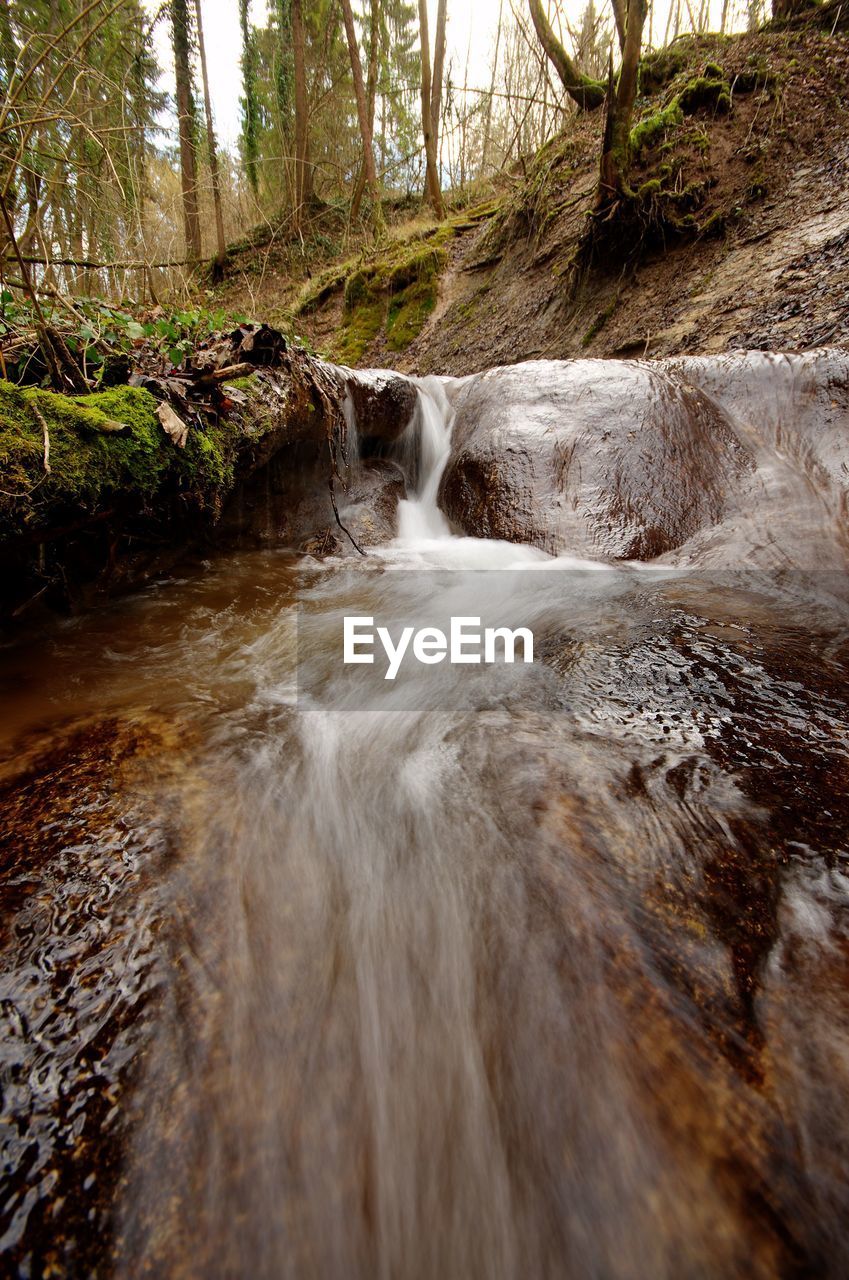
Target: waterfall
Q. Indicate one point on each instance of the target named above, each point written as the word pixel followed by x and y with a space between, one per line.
pixel 419 516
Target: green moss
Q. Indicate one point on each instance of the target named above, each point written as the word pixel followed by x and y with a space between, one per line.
pixel 418 262
pixel 242 384
pixel 88 460
pixel 649 189
pixel 698 138
pixel 321 288
pixel 600 321
pixel 408 313
pixel 713 71
pixel 92 463
pixel 705 93
pixel 357 289
pixel 657 69
pixel 395 288
pixel 363 323
pixel 650 130
pixel 714 226
pixel 691 197
pixel 208 461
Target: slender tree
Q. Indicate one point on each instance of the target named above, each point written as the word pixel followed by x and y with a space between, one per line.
pixel 371 98
pixel 615 157
pixel 620 17
pixel 362 112
pixel 434 189
pixel 589 94
pixel 487 132
pixel 303 168
pixel 181 40
pixel 438 72
pixel 210 143
pixel 250 105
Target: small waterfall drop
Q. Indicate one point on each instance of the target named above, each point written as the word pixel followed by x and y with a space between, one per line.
pixel 419 516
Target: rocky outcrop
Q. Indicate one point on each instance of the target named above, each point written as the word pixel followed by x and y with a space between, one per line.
pixel 622 459
pixel 382 401
pixel 796 404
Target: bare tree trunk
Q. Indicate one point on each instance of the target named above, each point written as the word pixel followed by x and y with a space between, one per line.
pixel 362 112
pixel 619 8
pixel 186 126
pixel 487 132
pixel 438 71
pixel 433 187
pixel 210 143
pixel 464 118
pixel 589 94
pixel 371 96
pixel 8 159
pixel 303 169
pixel 615 156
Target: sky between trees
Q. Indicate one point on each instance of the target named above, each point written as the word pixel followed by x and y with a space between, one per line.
pixel 471 28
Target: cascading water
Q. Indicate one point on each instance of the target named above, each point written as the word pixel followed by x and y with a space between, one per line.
pixel 496 972
pixel 419 516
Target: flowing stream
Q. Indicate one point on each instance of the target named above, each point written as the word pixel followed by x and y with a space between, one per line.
pixel 490 971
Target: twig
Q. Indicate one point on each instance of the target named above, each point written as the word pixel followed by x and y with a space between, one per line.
pixel 330 479
pixel 22 608
pixel 334 415
pixel 40 418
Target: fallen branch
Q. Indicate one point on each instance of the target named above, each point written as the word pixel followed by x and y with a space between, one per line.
pixel 91 265
pixel 60 363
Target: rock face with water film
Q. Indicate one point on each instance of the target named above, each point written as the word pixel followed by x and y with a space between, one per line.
pixel 619 459
pixel 633 460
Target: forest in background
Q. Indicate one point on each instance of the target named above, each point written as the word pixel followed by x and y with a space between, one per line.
pixel 113 183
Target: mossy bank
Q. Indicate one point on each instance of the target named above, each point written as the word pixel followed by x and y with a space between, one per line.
pixel 96 496
pixel 734 233
pixel 78 457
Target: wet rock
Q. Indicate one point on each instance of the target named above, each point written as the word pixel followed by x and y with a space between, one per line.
pixel 614 458
pixel 798 404
pixel 369 509
pixel 383 403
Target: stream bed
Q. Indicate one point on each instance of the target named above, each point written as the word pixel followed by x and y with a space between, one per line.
pixel 487 971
